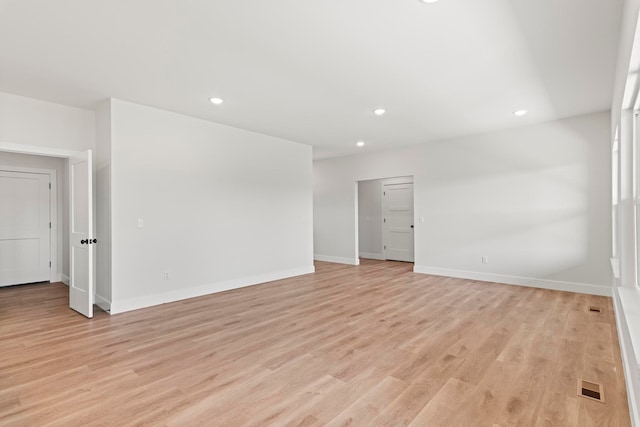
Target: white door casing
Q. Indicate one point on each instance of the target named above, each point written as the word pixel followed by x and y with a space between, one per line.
pixel 25 240
pixel 397 225
pixel 81 286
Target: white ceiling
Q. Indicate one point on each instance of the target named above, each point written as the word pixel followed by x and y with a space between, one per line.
pixel 313 71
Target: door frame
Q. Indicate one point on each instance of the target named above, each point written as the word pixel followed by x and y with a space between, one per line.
pixel 11 147
pixel 398 179
pixel 55 244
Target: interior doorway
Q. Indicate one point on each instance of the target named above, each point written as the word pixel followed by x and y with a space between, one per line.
pixel 53 169
pixel 386 219
pixel 25 227
pixel 79 201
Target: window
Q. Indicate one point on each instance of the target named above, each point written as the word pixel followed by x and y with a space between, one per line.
pixel 615 193
pixel 625 200
pixel 635 153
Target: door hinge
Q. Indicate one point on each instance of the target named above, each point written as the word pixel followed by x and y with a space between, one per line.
pixel 384 193
pixel 385 247
pixel 49 186
pixel 384 220
pixel 49 224
pixel 49 264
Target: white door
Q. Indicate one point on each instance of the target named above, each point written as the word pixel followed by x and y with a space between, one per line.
pixel 81 240
pixel 397 223
pixel 24 228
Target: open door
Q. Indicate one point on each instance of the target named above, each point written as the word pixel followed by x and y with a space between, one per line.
pixel 81 239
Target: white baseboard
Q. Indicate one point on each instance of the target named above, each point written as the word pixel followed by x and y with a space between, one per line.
pixel 103 303
pixel 582 288
pixel 337 260
pixel 368 255
pixel 65 279
pixel 198 291
pixel 630 361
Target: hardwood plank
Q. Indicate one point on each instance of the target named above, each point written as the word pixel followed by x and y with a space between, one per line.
pixel 367 345
pixel 447 401
pixel 368 407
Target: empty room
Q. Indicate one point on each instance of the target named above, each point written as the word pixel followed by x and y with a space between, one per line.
pixel 336 213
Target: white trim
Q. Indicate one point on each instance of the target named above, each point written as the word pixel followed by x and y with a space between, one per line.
pixel 55 254
pixel 211 288
pixel 55 244
pixel 337 260
pixel 27 170
pixel 582 288
pixel 65 279
pixel 368 255
pixel 356 210
pixel 35 149
pixel 629 358
pixel 103 303
pixel 397 180
pixel 615 267
pixel 629 299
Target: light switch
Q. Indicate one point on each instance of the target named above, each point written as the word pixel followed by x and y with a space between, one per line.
pixel 140 223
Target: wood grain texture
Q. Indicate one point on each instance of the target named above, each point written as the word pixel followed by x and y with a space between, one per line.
pixel 372 345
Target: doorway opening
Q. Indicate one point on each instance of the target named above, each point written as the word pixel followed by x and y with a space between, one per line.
pixel 386 219
pixel 79 225
pixel 32 222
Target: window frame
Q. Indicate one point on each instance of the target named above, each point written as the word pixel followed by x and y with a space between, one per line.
pixel 635 191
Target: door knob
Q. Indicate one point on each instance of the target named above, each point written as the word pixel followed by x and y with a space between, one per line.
pixel 84 241
pixel 412 226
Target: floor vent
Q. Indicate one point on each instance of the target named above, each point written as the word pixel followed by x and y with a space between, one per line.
pixel 593 391
pixel 595 309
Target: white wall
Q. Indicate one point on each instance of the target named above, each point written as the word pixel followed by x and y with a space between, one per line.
pixel 28 125
pixel 222 207
pixel 62 215
pixel 33 122
pixel 535 200
pixel 102 183
pixel 370 219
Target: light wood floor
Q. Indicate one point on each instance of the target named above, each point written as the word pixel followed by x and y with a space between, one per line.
pixel 375 345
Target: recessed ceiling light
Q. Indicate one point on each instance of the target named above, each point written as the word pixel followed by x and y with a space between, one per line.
pixel 428 1
pixel 520 112
pixel 360 143
pixel 216 101
pixel 379 111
